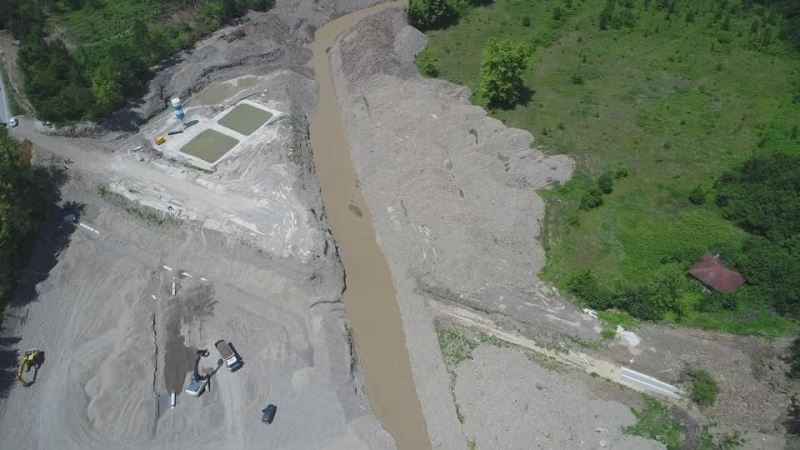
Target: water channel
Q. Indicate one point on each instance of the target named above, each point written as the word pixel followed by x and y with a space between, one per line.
pixel 369 299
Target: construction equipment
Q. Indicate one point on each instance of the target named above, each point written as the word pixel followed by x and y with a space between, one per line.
pixel 197 383
pixel 31 358
pixel 232 360
pixel 160 140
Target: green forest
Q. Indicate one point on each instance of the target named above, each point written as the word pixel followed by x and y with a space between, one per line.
pixel 23 203
pixel 82 59
pixel 683 119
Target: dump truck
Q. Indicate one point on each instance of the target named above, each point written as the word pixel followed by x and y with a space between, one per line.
pixel 232 360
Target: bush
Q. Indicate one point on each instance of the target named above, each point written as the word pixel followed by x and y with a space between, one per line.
pixel 526 21
pixel 428 64
pixel 428 14
pixel 584 285
pixel 704 389
pixel 503 65
pixel 621 171
pixel 606 182
pixel 591 199
pixel 761 196
pixel 697 196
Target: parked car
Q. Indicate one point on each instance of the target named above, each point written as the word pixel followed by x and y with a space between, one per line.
pixel 268 414
pixel 13 122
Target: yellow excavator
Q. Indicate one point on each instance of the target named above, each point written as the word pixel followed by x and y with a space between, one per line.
pixel 31 358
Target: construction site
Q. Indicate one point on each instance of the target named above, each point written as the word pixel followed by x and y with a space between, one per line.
pixel 265 250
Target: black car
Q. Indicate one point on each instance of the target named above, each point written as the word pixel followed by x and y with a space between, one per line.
pixel 268 414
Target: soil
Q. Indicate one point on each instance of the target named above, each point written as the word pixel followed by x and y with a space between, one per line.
pixel 247 245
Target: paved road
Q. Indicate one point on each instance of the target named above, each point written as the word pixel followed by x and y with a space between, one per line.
pixel 5 112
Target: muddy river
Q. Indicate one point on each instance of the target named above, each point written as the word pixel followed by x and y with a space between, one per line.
pixel 369 300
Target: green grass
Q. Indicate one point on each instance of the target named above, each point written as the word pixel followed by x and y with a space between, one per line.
pixel 456 347
pixel 704 388
pixel 612 318
pixel 655 421
pixel 674 102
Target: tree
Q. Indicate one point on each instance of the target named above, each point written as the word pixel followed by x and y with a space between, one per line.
pixel 22 205
pixel 502 69
pixel 591 198
pixel 606 182
pixel 428 14
pixel 762 196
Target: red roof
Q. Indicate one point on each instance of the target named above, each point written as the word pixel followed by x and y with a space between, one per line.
pixel 713 273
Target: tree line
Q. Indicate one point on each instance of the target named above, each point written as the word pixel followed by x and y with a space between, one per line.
pixel 95 78
pixel 23 203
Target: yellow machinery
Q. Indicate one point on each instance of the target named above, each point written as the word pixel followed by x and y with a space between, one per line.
pixel 31 358
pixel 160 140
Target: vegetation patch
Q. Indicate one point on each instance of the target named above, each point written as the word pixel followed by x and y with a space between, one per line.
pixel 82 59
pixel 656 101
pixel 704 389
pixel 613 318
pixel 655 421
pixel 24 201
pixel 456 347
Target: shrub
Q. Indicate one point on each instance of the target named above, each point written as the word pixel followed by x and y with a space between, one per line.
pixel 584 285
pixel 428 64
pixel 591 199
pixel 503 65
pixel 526 21
pixel 704 389
pixel 761 196
pixel 577 78
pixel 428 14
pixel 697 195
pixel 606 182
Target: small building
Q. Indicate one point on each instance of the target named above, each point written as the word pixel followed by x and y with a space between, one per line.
pixel 713 273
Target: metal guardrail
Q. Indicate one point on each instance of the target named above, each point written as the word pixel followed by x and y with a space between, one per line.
pixel 640 381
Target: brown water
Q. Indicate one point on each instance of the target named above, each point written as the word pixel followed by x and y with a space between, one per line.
pixel 369 300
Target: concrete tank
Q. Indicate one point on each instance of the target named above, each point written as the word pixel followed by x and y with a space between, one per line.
pixel 178 107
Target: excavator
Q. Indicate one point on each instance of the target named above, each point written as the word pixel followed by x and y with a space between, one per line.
pixel 197 383
pixel 31 358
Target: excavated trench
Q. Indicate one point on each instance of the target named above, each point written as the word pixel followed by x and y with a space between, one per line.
pixel 369 299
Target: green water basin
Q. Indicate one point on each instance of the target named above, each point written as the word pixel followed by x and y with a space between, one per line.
pixel 245 119
pixel 209 145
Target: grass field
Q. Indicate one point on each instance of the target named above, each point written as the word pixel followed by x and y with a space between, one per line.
pixel 673 101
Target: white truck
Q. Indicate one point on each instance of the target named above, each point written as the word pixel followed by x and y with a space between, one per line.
pixel 232 360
